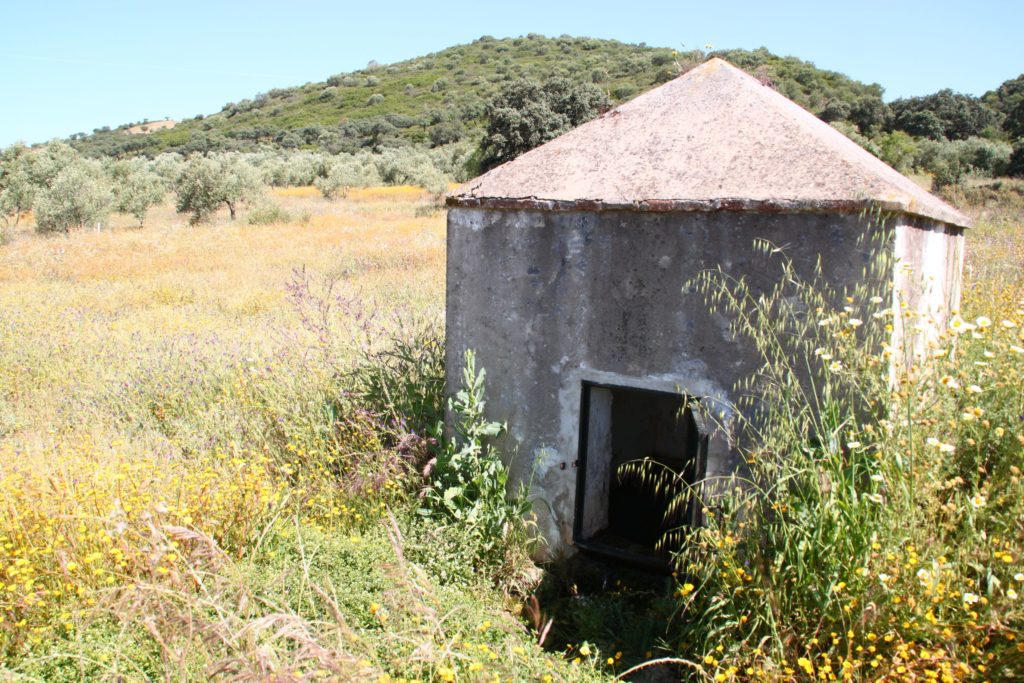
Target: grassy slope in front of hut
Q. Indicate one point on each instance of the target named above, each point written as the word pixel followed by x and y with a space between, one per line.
pixel 194 483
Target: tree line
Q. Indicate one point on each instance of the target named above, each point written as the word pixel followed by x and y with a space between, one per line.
pixel 65 190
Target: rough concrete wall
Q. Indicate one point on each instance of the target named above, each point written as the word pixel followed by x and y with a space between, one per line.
pixel 549 300
pixel 928 266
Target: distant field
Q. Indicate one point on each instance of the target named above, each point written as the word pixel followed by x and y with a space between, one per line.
pixel 104 297
pixel 151 127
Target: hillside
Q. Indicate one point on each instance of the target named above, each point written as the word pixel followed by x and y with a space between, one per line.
pixel 441 98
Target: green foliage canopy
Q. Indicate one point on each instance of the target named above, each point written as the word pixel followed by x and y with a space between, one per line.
pixel 17 191
pixel 1008 99
pixel 527 114
pixel 206 183
pixel 945 114
pixel 136 188
pixel 79 195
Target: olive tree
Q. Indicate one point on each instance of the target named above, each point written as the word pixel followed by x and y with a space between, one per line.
pixel 206 183
pixel 136 188
pixel 198 189
pixel 51 160
pixel 168 166
pixel 79 195
pixel 301 169
pixel 347 172
pixel 65 190
pixel 17 190
pixel 408 166
pixel 240 182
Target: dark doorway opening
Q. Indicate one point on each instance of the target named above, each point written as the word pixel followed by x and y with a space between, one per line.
pixel 619 515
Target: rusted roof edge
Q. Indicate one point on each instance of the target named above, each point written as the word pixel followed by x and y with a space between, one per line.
pixel 952 217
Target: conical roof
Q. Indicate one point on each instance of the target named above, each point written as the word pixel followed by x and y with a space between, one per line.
pixel 713 139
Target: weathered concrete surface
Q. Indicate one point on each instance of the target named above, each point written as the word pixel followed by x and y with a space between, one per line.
pixel 568 264
pixel 929 258
pixel 550 300
pixel 714 139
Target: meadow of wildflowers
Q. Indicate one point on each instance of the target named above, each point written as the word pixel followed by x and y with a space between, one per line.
pixel 202 474
pixel 213 443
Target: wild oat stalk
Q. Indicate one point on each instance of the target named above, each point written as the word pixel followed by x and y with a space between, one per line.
pixel 780 536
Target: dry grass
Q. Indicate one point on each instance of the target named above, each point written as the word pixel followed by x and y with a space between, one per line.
pixel 147 128
pixel 74 307
pixel 188 490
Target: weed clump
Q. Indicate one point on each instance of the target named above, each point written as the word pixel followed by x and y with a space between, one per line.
pixel 469 482
pixel 875 529
pixel 268 213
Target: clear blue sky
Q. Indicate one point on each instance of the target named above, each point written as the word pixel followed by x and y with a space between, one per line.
pixel 74 66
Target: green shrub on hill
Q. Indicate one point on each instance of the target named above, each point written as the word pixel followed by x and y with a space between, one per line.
pixel 459 82
pixel 944 115
pixel 1008 100
pixel 897 149
pixel 527 114
pixel 1016 166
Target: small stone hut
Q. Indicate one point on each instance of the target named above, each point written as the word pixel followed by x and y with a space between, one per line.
pixel 566 270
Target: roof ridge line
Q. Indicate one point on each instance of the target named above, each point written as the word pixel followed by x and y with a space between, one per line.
pixel 713 139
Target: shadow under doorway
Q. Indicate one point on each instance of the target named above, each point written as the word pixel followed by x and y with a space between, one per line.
pixel 622 515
